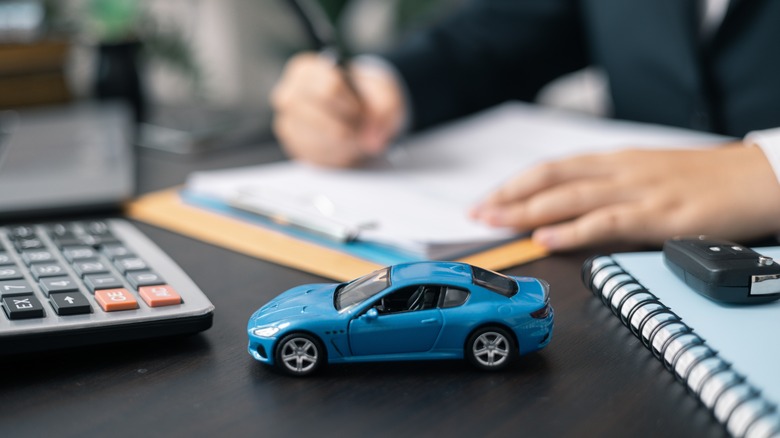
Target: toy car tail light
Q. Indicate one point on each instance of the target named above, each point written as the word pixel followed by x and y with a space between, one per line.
pixel 542 313
pixel 546 288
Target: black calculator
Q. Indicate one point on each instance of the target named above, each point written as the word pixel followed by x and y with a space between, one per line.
pixel 79 283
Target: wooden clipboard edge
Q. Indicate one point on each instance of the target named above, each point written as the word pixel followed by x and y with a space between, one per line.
pixel 507 255
pixel 166 210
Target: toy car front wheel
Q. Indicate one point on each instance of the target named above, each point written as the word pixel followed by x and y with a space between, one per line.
pixel 490 348
pixel 299 354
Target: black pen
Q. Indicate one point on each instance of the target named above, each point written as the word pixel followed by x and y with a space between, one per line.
pixel 323 36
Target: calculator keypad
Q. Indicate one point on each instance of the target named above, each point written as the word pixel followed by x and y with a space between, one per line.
pixel 62 263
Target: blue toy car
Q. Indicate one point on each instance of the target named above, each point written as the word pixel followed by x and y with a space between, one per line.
pixel 410 311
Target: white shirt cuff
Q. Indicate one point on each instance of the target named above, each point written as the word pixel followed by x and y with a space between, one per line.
pixel 769 142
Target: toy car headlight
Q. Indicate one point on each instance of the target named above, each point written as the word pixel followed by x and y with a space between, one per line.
pixel 266 332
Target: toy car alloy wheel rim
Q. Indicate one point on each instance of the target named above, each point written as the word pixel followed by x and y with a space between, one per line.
pixel 299 355
pixel 491 349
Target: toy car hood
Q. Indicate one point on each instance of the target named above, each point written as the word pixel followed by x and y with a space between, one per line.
pixel 298 302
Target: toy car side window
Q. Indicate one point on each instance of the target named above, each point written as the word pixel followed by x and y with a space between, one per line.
pixel 454 297
pixel 494 281
pixel 418 297
pixel 429 298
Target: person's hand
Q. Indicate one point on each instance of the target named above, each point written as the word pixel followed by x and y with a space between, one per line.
pixel 640 196
pixel 320 120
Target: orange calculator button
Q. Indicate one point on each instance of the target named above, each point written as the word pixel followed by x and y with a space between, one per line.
pixel 160 295
pixel 112 300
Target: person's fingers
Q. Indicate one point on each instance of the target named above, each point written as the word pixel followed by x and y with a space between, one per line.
pixel 383 107
pixel 316 81
pixel 376 134
pixel 319 118
pixel 646 197
pixel 311 135
pixel 313 119
pixel 621 222
pixel 550 174
pixel 556 204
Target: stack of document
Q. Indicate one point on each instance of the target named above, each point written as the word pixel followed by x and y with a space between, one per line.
pixel 417 198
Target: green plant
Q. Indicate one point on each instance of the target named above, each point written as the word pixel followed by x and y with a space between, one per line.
pixel 122 21
pixel 113 20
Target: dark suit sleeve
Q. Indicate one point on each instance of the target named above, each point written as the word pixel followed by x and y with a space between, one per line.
pixel 488 52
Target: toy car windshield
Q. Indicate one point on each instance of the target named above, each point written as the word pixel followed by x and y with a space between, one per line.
pixel 357 291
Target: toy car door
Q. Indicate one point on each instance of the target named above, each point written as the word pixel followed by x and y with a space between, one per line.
pixel 402 321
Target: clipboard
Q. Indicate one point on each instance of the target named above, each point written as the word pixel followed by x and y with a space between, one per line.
pixel 441 159
pixel 168 210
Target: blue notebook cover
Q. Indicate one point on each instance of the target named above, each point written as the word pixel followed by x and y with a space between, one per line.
pixel 727 355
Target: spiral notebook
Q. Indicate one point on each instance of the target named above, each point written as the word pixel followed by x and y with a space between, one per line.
pixel 727 356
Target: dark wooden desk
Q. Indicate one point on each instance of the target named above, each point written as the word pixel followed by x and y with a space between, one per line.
pixel 594 379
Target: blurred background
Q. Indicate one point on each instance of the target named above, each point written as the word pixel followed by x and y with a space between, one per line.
pixel 192 70
pixel 184 65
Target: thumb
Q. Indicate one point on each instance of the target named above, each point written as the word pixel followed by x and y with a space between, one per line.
pixel 383 108
pixel 376 135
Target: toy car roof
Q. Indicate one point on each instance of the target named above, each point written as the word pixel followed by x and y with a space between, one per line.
pixel 431 272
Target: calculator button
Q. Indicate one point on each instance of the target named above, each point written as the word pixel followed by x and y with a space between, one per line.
pixel 76 253
pixel 112 300
pixel 58 284
pixel 5 259
pixel 96 227
pixel 15 287
pixel 144 278
pixel 69 303
pixel 97 240
pixel 130 264
pixel 90 267
pixel 31 243
pixel 37 256
pixel 158 296
pixel 47 270
pixel 58 229
pixel 99 231
pixel 22 307
pixel 104 281
pixel 67 239
pixel 10 273
pixel 115 251
pixel 21 232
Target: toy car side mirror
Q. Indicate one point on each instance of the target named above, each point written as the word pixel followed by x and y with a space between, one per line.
pixel 372 314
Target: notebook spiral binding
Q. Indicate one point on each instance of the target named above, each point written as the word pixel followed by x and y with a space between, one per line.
pixel 731 399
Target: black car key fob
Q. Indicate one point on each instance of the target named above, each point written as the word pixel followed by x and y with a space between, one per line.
pixel 723 271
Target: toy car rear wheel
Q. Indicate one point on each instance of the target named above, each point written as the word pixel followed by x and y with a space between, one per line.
pixel 299 354
pixel 490 348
